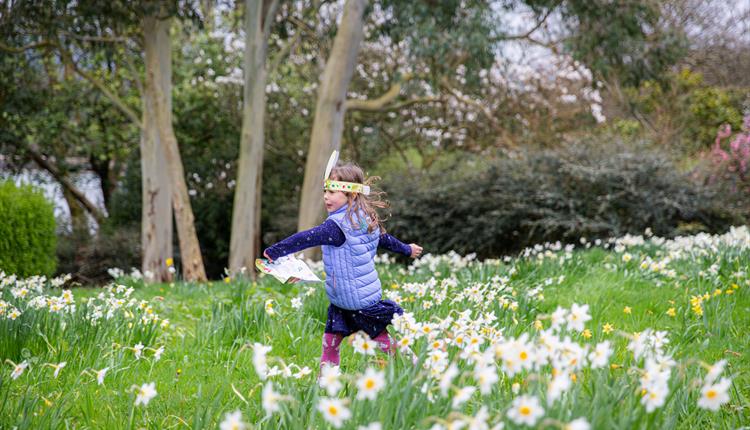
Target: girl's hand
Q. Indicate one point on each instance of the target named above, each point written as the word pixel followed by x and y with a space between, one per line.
pixel 265 254
pixel 416 250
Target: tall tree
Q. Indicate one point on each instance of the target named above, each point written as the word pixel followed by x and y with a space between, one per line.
pixel 245 236
pixel 79 37
pixel 156 199
pixel 157 44
pixel 328 124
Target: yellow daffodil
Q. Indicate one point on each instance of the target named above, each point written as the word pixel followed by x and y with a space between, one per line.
pixel 698 310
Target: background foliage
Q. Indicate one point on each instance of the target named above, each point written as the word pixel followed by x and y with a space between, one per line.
pixel 27 231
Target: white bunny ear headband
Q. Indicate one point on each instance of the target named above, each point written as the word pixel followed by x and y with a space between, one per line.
pixel 331 185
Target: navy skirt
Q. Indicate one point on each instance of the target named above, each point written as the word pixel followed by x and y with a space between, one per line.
pixel 372 319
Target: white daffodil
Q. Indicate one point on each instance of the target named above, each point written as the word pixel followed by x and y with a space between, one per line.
pixel 599 357
pixel 18 369
pixel 479 421
pixel 437 360
pixel 364 345
pixel 437 344
pixel 517 355
pixel 158 352
pixel 329 379
pixel 269 307
pixel 138 350
pixel 654 396
pixel 273 371
pixel 334 411
pixel 145 394
pixel 371 426
pixel 233 421
pixel 58 367
pixel 559 384
pixel 715 371
pixel 486 376
pixel 578 424
pixel 447 378
pixel 578 316
pixel 271 400
pixel 370 383
pixel 525 410
pixel 302 372
pixel 296 303
pixel 462 395
pixel 405 342
pixel 259 360
pixel 100 375
pixel 558 318
pixel 714 395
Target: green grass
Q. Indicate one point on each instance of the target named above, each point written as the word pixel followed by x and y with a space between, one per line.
pixel 207 369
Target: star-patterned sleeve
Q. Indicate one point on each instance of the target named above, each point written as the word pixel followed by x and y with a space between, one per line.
pixel 394 245
pixel 327 233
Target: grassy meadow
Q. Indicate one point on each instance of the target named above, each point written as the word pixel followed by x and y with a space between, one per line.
pixel 636 332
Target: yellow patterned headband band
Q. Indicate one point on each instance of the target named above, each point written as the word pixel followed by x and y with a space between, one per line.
pixel 331 185
pixel 352 187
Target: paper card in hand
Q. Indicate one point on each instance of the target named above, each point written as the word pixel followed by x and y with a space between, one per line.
pixel 288 269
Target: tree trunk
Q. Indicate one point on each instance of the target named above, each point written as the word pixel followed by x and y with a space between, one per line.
pixel 329 114
pixel 156 212
pixel 107 178
pixel 160 66
pixel 79 226
pixel 245 239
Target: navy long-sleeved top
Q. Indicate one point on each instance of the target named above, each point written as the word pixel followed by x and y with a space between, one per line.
pixel 328 233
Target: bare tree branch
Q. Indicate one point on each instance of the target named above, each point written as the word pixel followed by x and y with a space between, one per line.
pixel 414 101
pixel 471 102
pixel 105 39
pixel 285 50
pixel 375 104
pixel 68 59
pixel 533 29
pixel 269 19
pixel 40 160
pixel 393 141
pixel 380 103
pixel 129 112
pixel 136 76
pixel 504 137
pixel 20 49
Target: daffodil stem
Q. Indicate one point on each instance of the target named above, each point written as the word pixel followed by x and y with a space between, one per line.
pixel 132 414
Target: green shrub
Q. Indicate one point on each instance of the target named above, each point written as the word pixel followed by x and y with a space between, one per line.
pixel 27 231
pixel 581 190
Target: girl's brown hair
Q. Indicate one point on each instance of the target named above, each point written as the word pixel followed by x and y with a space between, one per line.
pixel 367 203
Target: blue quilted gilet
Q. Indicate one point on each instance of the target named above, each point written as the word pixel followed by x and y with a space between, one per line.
pixel 351 280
